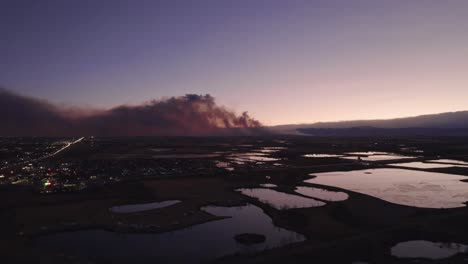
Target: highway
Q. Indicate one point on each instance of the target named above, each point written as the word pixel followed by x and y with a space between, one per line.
pixel 64 148
pixel 68 145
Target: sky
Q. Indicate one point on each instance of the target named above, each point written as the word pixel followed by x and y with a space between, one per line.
pixel 288 61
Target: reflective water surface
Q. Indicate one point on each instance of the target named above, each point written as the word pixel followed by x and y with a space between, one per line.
pixel 422 165
pixel 427 249
pixel 134 208
pixel 196 244
pixel 280 200
pixel 368 153
pixel 241 158
pixel 400 186
pixel 322 194
pixel 322 156
pixel 450 161
pixel 186 156
pixel 270 149
pixel 380 157
pixel 268 185
pixel 224 165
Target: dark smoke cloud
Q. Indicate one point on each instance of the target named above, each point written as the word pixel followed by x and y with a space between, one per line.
pixel 185 115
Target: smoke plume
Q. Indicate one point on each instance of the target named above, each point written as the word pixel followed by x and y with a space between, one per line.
pixel 185 115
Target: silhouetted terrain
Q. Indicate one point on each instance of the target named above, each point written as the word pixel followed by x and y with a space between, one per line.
pixel 444 124
pixel 374 131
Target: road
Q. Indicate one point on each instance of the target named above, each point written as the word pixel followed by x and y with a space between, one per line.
pixel 68 145
pixel 64 148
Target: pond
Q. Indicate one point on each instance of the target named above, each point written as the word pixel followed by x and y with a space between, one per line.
pixel 200 243
pixel 379 157
pixel 367 153
pixel 280 200
pixel 400 186
pixel 450 161
pixel 135 208
pixel 241 158
pixel 322 156
pixel 427 249
pixel 270 149
pixel 186 156
pixel 224 165
pixel 322 194
pixel 268 185
pixel 422 165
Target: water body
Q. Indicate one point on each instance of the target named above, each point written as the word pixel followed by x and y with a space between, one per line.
pixel 241 158
pixel 160 149
pixel 422 165
pixel 270 149
pixel 196 244
pixel 380 157
pixel 186 156
pixel 135 208
pixel 412 149
pixel 280 200
pixel 268 185
pixel 450 161
pixel 224 165
pixel 322 156
pixel 322 194
pixel 368 153
pixel 427 249
pixel 400 186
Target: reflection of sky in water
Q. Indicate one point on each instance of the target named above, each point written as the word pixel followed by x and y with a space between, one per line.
pixel 268 185
pixel 322 156
pixel 280 200
pixel 450 161
pixel 427 249
pixel 368 153
pixel 224 165
pixel 159 149
pixel 255 156
pixel 195 244
pixel 422 165
pixel 406 187
pixel 412 149
pixel 241 158
pixel 380 157
pixel 134 208
pixel 322 194
pixel 270 149
pixel 185 156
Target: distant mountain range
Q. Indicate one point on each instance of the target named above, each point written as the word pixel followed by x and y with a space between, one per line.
pixel 450 124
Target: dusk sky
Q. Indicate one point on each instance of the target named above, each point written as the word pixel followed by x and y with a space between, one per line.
pixel 285 62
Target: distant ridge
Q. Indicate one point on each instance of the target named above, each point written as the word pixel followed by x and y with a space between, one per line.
pixel 450 123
